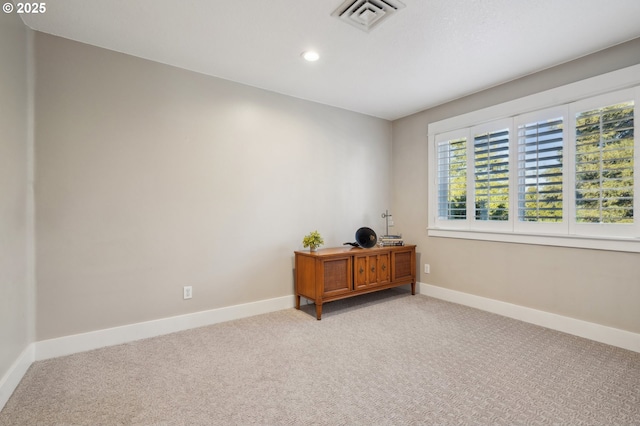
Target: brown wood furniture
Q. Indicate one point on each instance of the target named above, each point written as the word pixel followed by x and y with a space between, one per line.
pixel 341 272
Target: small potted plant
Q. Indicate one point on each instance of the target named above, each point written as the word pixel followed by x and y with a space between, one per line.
pixel 313 241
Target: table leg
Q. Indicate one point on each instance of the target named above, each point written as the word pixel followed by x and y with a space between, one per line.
pixel 298 301
pixel 413 288
pixel 318 310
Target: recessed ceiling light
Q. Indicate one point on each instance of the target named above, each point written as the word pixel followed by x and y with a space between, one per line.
pixel 310 55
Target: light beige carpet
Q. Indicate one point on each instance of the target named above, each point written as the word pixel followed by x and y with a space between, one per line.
pixel 385 358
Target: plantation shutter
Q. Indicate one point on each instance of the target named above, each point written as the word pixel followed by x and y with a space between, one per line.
pixel 452 179
pixel 491 170
pixel 604 164
pixel 540 175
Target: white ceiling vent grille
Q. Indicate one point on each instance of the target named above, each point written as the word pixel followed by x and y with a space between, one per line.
pixel 366 14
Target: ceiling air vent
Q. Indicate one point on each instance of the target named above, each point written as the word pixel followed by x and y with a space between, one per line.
pixel 366 14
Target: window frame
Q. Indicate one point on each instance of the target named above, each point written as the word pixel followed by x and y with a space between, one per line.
pixel 474 223
pixel 570 96
pixel 542 227
pixel 603 229
pixel 444 138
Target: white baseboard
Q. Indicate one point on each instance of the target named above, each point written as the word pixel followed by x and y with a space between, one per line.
pixel 600 333
pixel 67 345
pixel 10 381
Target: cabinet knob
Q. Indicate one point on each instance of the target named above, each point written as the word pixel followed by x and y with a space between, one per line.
pixel 361 270
pixel 384 267
pixel 373 269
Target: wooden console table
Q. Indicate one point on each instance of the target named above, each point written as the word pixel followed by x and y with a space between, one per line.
pixel 341 272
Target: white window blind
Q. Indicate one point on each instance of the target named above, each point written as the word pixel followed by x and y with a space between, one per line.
pixel 604 164
pixel 452 179
pixel 491 174
pixel 540 170
pixel 555 168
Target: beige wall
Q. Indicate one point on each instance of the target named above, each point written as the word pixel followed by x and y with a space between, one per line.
pixel 15 292
pixel 150 178
pixel 597 286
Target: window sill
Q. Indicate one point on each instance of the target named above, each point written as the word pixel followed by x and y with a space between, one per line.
pixel 574 241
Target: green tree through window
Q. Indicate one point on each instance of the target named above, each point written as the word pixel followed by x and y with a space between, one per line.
pixel 540 176
pixel 452 179
pixel 605 164
pixel 491 165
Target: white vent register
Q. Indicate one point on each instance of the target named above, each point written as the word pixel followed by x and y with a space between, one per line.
pixel 366 14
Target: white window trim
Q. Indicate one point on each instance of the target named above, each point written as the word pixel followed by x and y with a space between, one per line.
pixel 621 79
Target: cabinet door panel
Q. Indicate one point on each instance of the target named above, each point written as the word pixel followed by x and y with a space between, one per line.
pixel 336 276
pixel 372 270
pixel 360 272
pixel 403 265
pixel 383 268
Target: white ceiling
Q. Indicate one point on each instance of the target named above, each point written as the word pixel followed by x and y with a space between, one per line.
pixel 428 53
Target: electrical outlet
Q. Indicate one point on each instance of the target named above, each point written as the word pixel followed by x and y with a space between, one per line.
pixel 187 292
pixel 427 268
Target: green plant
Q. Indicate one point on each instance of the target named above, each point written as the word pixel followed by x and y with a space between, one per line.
pixel 313 240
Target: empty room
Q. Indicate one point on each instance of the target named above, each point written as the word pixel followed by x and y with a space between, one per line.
pixel 319 212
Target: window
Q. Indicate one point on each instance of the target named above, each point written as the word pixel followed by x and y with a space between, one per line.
pixel 491 172
pixel 567 171
pixel 540 174
pixel 452 177
pixel 542 171
pixel 604 164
